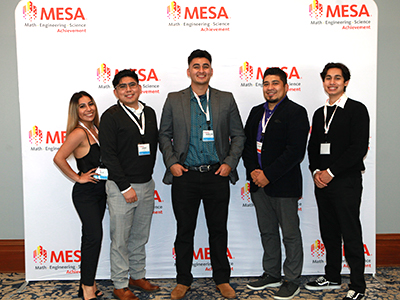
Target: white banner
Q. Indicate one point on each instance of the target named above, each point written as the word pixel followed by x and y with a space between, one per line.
pixel 67 46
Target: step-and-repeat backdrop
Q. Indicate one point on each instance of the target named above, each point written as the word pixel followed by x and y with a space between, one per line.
pixel 67 46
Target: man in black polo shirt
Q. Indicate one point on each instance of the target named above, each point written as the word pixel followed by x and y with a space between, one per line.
pixel 337 146
pixel 128 138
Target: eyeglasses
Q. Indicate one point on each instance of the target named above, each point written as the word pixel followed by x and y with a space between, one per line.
pixel 124 86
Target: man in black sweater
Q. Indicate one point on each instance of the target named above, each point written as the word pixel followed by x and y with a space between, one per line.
pixel 337 146
pixel 128 138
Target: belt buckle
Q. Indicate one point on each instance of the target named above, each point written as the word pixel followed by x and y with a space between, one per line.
pixel 204 168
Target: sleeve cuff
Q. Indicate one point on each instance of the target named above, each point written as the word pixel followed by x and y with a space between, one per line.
pixel 124 191
pixel 315 171
pixel 329 172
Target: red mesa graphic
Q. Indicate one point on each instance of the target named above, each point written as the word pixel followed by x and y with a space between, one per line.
pixel 40 255
pixel 246 71
pixel 174 11
pixel 29 11
pixel 103 73
pixel 315 9
pixel 318 249
pixel 35 135
pixel 245 192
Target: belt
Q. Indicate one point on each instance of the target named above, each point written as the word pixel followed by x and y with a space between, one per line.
pixel 203 168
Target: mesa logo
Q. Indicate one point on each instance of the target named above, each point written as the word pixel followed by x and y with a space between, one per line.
pixel 346 11
pixel 203 253
pixel 246 71
pixel 315 9
pixel 40 255
pixel 29 11
pixel 174 11
pixel 198 13
pixel 158 208
pixel 291 72
pixel 317 249
pixel 157 197
pixel 36 138
pixel 245 194
pixel 144 75
pixel 338 11
pixel 65 256
pixel 61 13
pixel 53 13
pixel 103 73
pixel 35 135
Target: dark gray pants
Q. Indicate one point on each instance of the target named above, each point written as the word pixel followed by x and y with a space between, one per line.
pixel 272 213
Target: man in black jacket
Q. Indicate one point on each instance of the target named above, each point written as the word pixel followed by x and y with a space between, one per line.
pixel 277 132
pixel 128 138
pixel 338 144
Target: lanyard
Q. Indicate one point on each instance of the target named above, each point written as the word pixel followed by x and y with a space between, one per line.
pixel 142 120
pixel 83 125
pixel 207 112
pixel 327 126
pixel 265 123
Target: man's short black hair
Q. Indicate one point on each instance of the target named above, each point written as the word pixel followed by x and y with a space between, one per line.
pixel 331 65
pixel 278 72
pixel 198 54
pixel 122 74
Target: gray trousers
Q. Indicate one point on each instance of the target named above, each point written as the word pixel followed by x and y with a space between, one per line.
pixel 272 213
pixel 129 231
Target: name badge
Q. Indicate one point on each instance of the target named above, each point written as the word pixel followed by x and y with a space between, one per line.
pixel 103 174
pixel 259 147
pixel 143 149
pixel 208 136
pixel 325 149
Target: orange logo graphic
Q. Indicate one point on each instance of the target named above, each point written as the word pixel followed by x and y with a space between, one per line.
pixel 318 249
pixel 35 135
pixel 103 73
pixel 245 192
pixel 246 71
pixel 174 11
pixel 39 255
pixel 315 9
pixel 29 11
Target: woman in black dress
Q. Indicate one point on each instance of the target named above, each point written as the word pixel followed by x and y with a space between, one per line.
pixel 88 193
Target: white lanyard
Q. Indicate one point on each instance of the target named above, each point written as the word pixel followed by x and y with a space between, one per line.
pixel 207 113
pixel 129 113
pixel 97 141
pixel 327 126
pixel 265 123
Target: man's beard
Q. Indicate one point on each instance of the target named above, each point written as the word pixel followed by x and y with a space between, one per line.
pixel 273 101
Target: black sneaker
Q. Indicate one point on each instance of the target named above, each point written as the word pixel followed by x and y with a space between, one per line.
pixel 287 291
pixel 322 284
pixel 263 282
pixel 353 295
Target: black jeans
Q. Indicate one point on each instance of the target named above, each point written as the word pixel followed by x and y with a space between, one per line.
pixel 90 203
pixel 339 217
pixel 187 192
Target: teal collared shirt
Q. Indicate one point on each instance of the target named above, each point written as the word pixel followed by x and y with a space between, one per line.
pixel 200 152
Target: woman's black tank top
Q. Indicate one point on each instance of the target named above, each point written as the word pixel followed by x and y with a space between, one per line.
pixel 90 160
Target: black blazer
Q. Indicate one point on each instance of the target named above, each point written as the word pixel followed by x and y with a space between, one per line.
pixel 283 149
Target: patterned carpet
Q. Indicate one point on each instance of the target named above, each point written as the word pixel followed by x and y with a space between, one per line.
pixel 385 285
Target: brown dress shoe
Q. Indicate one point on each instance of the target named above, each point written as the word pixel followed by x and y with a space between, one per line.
pixel 179 291
pixel 226 290
pixel 124 294
pixel 143 284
